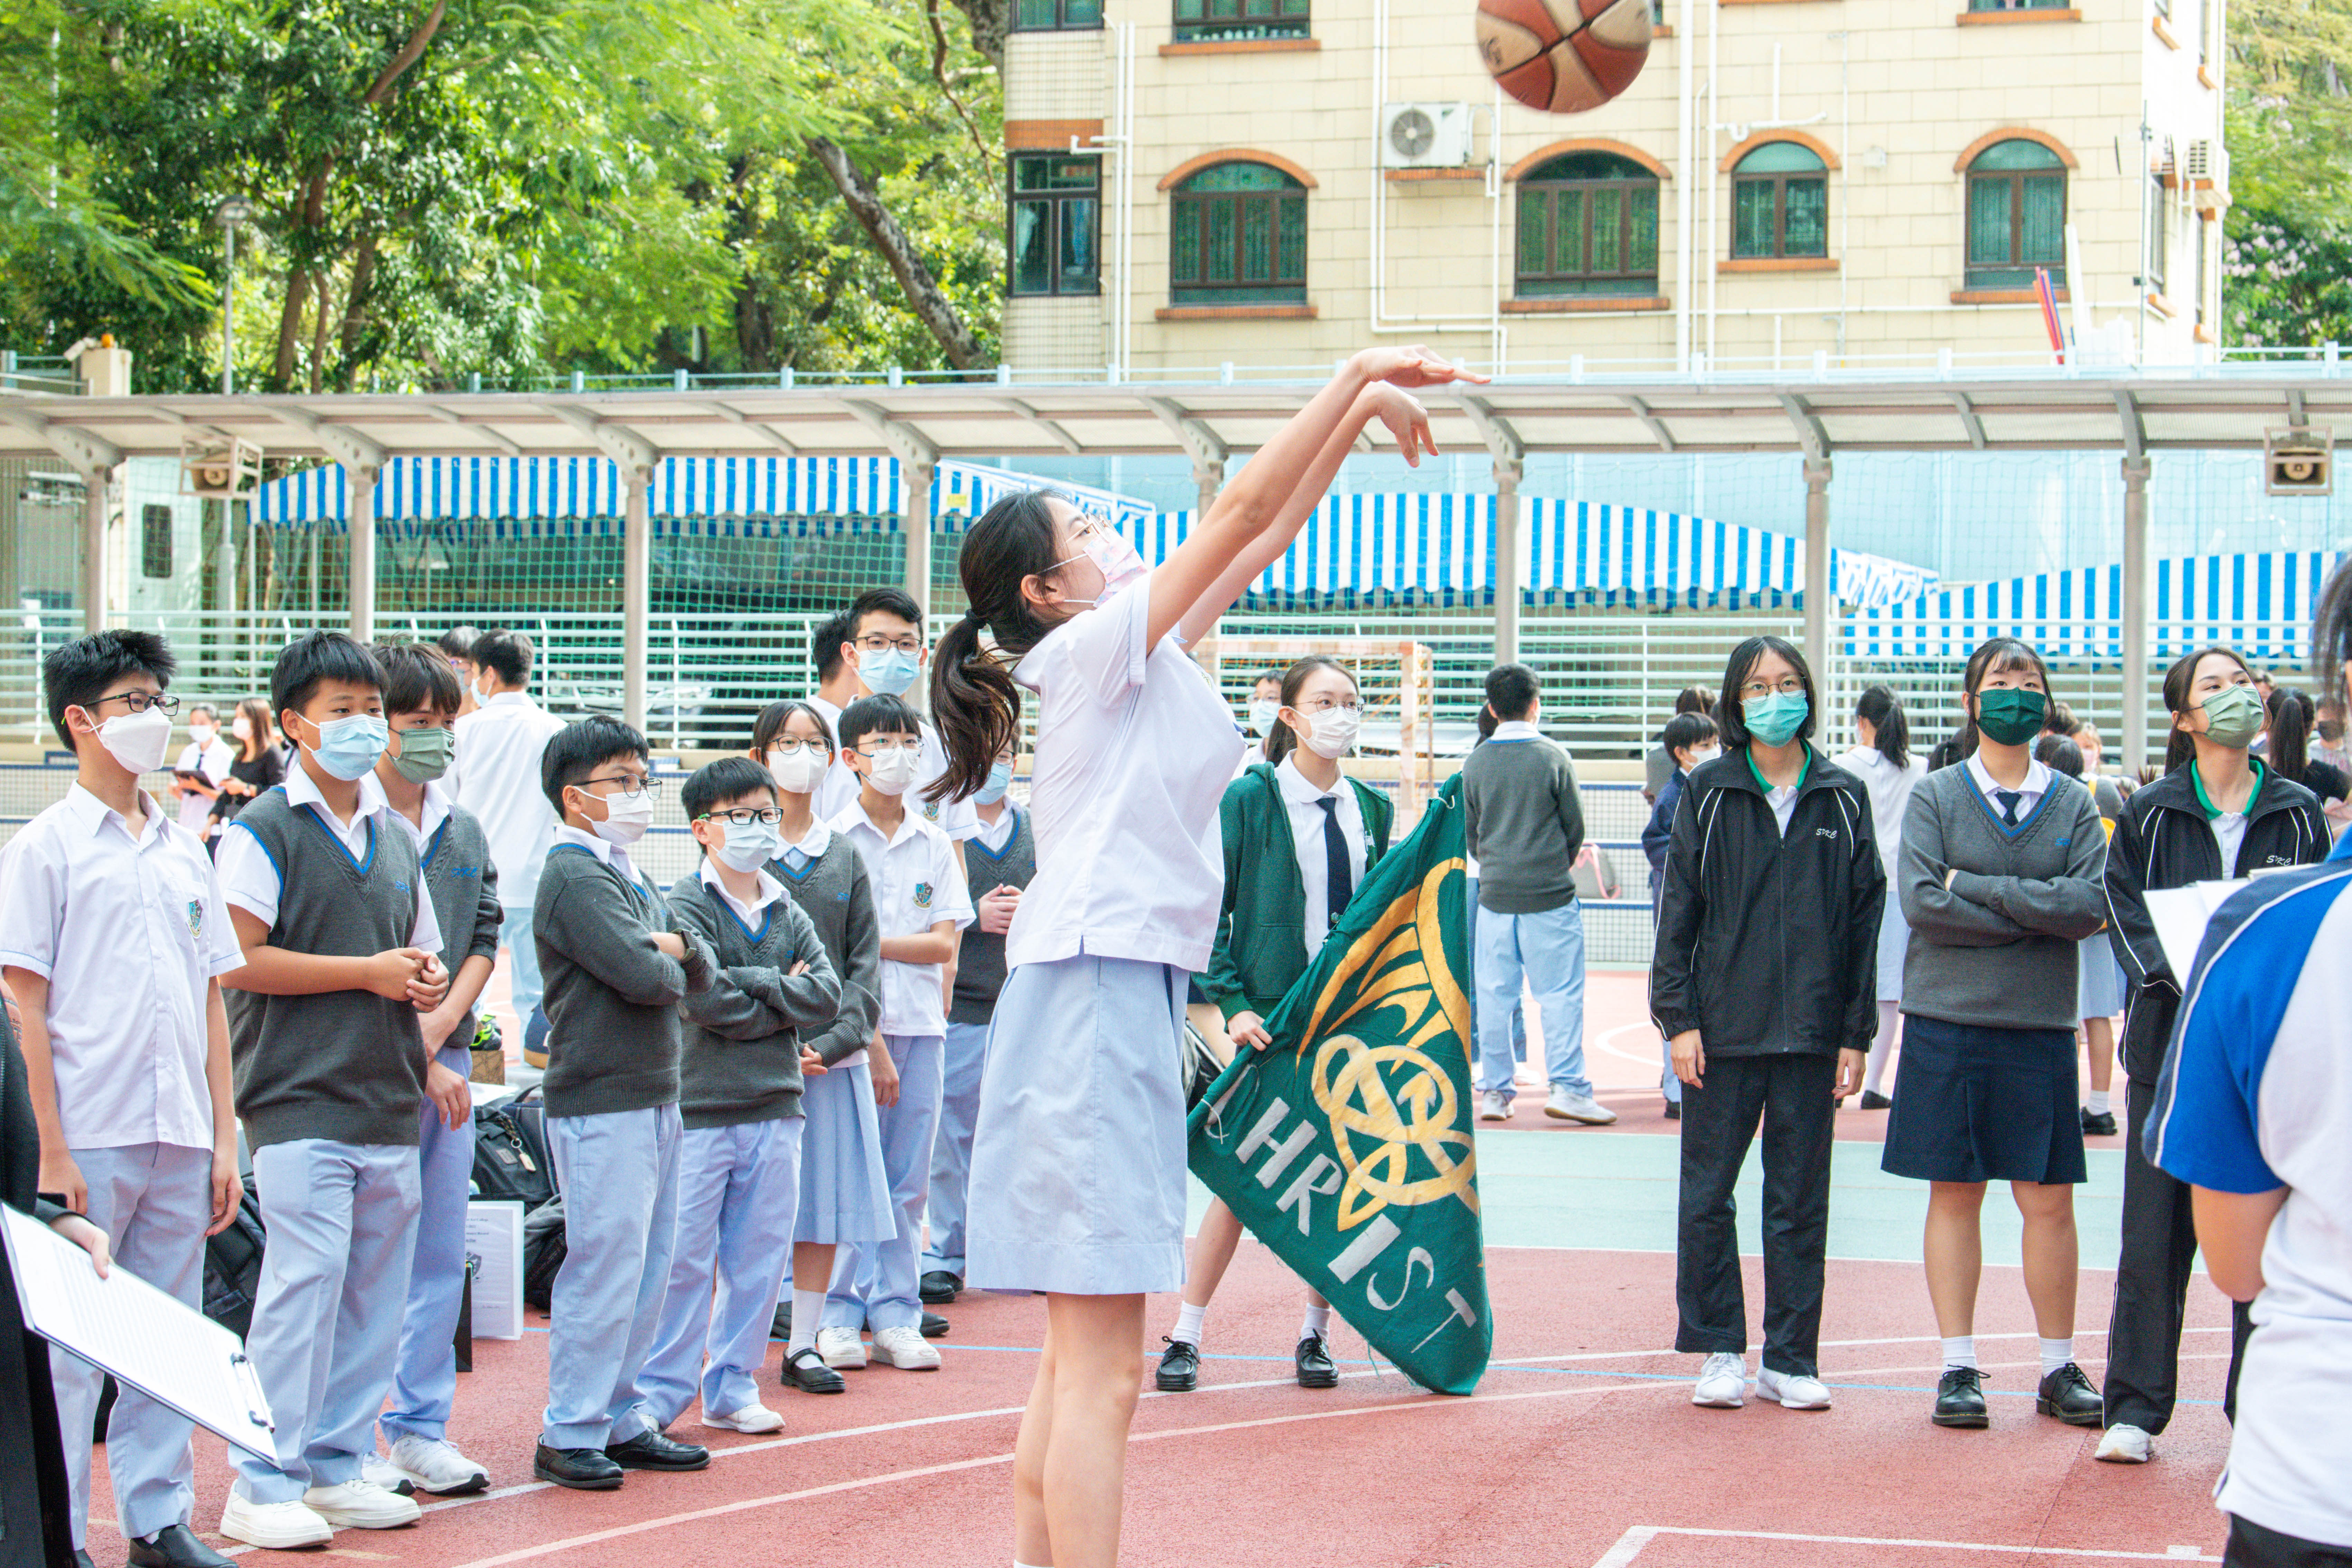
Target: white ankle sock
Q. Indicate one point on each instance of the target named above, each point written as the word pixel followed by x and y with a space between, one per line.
pixel 808 1308
pixel 1188 1324
pixel 1960 1351
pixel 2056 1354
pixel 1318 1320
pixel 2096 1102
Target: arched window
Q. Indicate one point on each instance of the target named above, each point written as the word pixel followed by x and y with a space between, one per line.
pixel 2017 214
pixel 1780 202
pixel 1588 224
pixel 1237 234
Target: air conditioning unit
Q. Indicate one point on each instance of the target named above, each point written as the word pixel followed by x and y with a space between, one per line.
pixel 1425 135
pixel 2299 461
pixel 220 470
pixel 2209 175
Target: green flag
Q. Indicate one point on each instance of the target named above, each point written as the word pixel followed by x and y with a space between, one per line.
pixel 1345 1145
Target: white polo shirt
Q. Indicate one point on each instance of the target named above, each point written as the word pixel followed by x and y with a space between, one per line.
pixel 768 891
pixel 500 746
pixel 917 881
pixel 130 930
pixel 1307 819
pixel 837 791
pixel 812 844
pixel 249 879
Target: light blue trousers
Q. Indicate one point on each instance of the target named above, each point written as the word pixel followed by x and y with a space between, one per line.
pixel 342 1220
pixel 738 1190
pixel 153 1201
pixel 877 1281
pixel 523 981
pixel 1544 953
pixel 619 1175
pixel 425 1381
pixel 966 1052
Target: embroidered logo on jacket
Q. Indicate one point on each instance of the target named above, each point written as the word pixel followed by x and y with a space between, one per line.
pixel 922 895
pixel 1828 833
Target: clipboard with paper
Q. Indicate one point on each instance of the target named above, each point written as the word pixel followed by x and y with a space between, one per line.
pixel 147 1339
pixel 2181 916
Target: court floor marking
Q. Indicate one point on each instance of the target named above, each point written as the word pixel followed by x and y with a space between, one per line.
pixel 1630 1544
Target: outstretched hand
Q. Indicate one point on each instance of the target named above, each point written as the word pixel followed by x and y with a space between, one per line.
pixel 1407 420
pixel 1412 367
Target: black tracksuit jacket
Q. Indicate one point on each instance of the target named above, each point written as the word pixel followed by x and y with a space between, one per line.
pixel 1768 944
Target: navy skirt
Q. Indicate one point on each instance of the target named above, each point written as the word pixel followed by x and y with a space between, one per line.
pixel 1977 1104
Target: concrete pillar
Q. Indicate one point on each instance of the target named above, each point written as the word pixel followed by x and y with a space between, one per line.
pixel 1509 579
pixel 361 512
pixel 1819 606
pixel 914 522
pixel 2136 613
pixel 95 482
pixel 636 591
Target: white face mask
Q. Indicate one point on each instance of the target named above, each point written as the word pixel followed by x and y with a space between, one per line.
pixel 626 818
pixel 798 773
pixel 892 771
pixel 201 734
pixel 138 741
pixel 1262 715
pixel 1335 732
pixel 1699 759
pixel 747 847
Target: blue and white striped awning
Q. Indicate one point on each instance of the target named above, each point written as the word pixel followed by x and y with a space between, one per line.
pixel 2259 604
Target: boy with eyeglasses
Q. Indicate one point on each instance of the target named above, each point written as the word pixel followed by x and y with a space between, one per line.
pixel 616 968
pixel 740 1096
pixel 920 904
pixel 882 655
pixel 127 1057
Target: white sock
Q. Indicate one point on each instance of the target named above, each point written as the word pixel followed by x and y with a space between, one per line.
pixel 2056 1354
pixel 1959 1352
pixel 1188 1324
pixel 808 1306
pixel 2096 1102
pixel 1319 1318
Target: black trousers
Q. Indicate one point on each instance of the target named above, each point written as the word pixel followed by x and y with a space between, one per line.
pixel 1790 1094
pixel 2253 1546
pixel 2159 1249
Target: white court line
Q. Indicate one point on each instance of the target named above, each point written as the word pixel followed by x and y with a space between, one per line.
pixel 1628 1545
pixel 1601 1042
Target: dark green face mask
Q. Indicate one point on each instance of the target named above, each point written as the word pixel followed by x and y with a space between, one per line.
pixel 2010 715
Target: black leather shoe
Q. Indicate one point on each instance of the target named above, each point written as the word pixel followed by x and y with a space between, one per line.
pixel 1674 1110
pixel 805 1370
pixel 174 1546
pixel 782 1327
pixel 1960 1398
pixel 582 1469
pixel 938 1288
pixel 2068 1395
pixel 1874 1101
pixel 1316 1369
pixel 934 1326
pixel 658 1451
pixel 1179 1367
pixel 2103 1125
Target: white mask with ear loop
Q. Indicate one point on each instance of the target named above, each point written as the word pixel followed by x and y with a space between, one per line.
pixel 137 740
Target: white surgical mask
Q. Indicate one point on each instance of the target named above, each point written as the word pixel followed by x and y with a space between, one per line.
pixel 1705 755
pixel 1262 715
pixel 138 741
pixel 241 726
pixel 798 773
pixel 626 818
pixel 888 672
pixel 201 734
pixel 748 847
pixel 892 771
pixel 1000 779
pixel 1335 732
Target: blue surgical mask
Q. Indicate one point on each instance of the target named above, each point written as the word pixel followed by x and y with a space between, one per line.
pixel 749 845
pixel 888 672
pixel 1776 716
pixel 1000 779
pixel 349 748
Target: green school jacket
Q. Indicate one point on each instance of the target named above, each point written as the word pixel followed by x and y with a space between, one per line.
pixel 1262 928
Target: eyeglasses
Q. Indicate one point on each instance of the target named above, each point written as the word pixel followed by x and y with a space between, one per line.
pixel 793 748
pixel 140 701
pixel 743 817
pixel 874 642
pixel 630 788
pixel 880 748
pixel 1325 705
pixel 1790 686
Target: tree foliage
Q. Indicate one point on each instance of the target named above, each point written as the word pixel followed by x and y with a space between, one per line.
pixel 2287 270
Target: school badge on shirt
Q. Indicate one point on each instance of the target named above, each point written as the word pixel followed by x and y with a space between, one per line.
pixel 922 895
pixel 196 917
pixel 931 811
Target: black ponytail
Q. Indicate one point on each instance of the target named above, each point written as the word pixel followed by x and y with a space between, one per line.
pixel 2291 718
pixel 975 701
pixel 1891 729
pixel 1284 740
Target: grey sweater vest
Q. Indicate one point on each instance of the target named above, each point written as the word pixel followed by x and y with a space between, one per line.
pixel 612 996
pixel 1524 825
pixel 834 891
pixel 742 1061
pixel 342 1064
pixel 465 889
pixel 979 961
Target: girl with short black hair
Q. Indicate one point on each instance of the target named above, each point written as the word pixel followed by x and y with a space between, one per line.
pixel 1887 767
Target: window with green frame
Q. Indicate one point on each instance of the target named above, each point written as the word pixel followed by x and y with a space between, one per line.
pixel 1780 203
pixel 1588 224
pixel 1054 224
pixel 1217 21
pixel 1057 16
pixel 1237 235
pixel 2017 216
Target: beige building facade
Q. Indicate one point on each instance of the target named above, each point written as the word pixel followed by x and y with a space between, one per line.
pixel 1789 183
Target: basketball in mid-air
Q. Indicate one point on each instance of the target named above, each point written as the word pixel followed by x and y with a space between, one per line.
pixel 1564 56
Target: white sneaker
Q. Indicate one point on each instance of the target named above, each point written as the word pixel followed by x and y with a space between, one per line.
pixel 1564 1106
pixel 1493 1105
pixel 429 1464
pixel 383 1472
pixel 1722 1383
pixel 273 1526
pixel 362 1505
pixel 906 1349
pixel 841 1347
pixel 1793 1390
pixel 2125 1446
pixel 754 1419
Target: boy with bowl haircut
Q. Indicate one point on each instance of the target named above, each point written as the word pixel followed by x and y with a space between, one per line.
pixel 616 968
pixel 339 940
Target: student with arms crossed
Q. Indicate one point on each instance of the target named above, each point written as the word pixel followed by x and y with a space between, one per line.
pixel 341 941
pixel 114 935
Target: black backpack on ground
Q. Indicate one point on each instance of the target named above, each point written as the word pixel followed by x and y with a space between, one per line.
pixel 542 1252
pixel 511 1159
pixel 232 1266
